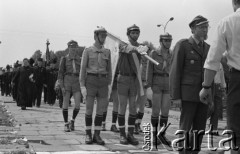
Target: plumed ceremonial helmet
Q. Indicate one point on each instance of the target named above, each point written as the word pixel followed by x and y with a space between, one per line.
pixel 198 20
pixel 165 36
pixel 133 28
pixel 100 30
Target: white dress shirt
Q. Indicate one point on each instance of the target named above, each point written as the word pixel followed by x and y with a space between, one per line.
pixel 227 38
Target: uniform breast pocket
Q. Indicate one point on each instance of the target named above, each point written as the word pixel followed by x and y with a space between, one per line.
pixel 192 58
pixel 92 59
pixel 105 60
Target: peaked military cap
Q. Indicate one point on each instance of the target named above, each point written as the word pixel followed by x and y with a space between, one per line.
pixel 72 43
pixel 198 20
pixel 132 28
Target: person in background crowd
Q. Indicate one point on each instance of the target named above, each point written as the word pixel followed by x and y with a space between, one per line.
pixel 227 38
pixel 25 77
pixel 40 80
pixel 2 82
pixel 15 87
pixel 158 80
pixel 68 77
pixel 186 77
pixel 95 78
pixel 51 79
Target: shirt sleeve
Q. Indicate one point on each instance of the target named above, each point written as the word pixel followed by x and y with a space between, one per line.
pixel 217 48
pixel 109 69
pixel 84 62
pixel 61 72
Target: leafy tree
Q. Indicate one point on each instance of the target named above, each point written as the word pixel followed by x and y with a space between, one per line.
pixel 37 54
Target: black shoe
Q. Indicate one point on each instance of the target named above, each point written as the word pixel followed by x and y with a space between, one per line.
pixel 136 131
pixel 72 127
pixel 114 129
pixel 132 140
pixel 97 139
pixel 88 139
pixel 67 128
pixel 23 107
pixel 123 140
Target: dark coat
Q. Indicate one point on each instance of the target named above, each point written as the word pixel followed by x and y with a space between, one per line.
pixel 40 76
pixel 186 73
pixel 25 85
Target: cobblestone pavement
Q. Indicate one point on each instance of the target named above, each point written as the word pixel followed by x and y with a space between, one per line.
pixel 43 128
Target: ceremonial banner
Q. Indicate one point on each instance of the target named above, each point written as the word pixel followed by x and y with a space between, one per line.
pixel 112 43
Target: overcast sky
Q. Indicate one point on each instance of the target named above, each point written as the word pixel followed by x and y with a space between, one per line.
pixel 25 25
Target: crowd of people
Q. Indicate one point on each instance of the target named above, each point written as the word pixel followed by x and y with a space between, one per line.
pixel 179 77
pixel 26 82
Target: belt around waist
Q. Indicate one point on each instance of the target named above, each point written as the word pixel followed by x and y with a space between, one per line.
pixel 97 75
pixel 72 74
pixel 127 74
pixel 161 74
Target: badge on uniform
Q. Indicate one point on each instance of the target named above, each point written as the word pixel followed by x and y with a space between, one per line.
pixel 192 61
pixel 192 52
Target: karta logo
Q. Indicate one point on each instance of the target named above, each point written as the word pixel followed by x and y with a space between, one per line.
pixel 188 140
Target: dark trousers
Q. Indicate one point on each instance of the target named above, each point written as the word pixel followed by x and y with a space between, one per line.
pixel 233 104
pixel 193 117
pixel 45 94
pixel 51 97
pixel 217 95
pixel 39 94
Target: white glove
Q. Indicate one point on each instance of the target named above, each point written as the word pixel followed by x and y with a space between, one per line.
pixel 84 92
pixel 142 50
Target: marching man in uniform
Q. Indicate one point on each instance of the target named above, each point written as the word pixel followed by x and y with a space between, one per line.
pixel 128 83
pixel 68 77
pixel 95 78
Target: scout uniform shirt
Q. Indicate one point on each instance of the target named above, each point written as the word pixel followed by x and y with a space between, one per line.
pixel 96 61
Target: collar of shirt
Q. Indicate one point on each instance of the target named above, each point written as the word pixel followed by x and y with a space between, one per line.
pixel 96 49
pixel 196 40
pixel 98 46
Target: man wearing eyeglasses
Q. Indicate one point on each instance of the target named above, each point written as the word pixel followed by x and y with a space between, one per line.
pixel 68 76
pixel 186 77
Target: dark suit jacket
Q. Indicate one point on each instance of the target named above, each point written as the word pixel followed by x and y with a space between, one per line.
pixel 186 73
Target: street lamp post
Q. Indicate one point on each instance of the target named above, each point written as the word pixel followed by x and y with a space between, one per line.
pixel 165 26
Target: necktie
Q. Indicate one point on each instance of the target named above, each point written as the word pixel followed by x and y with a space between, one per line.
pixel 99 57
pixel 74 67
